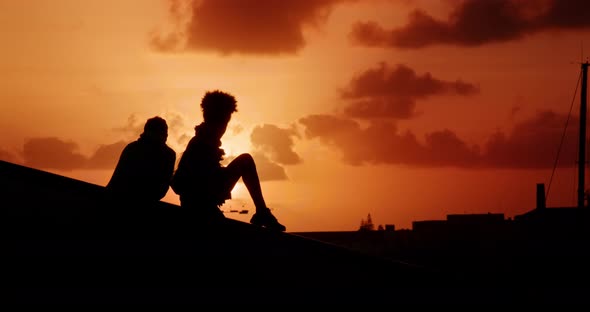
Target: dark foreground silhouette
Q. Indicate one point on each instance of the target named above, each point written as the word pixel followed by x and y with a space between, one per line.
pixel 144 170
pixel 63 242
pixel 202 183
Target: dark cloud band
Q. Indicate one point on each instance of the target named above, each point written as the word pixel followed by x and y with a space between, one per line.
pixel 532 144
pixel 477 22
pixel 267 27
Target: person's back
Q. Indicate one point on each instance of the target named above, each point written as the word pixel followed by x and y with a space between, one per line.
pixel 146 165
pixel 199 169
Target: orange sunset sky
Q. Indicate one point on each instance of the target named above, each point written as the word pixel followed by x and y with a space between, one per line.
pixel 405 109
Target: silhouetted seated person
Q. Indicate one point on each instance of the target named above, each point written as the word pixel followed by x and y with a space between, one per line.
pixel 200 180
pixel 142 175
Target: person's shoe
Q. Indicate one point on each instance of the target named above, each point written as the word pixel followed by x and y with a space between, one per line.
pixel 265 218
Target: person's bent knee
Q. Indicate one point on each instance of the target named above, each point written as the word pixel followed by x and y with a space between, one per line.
pixel 245 157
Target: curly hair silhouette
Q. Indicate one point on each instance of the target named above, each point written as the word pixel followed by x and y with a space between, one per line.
pixel 217 106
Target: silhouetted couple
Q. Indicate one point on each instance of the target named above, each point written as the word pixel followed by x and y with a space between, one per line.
pixel 200 180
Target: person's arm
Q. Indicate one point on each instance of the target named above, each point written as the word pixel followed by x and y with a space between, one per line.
pixel 120 170
pixel 166 178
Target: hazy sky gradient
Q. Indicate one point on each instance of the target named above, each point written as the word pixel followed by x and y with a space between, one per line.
pixel 407 110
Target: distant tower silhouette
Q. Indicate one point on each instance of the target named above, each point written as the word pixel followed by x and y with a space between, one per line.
pixel 541 201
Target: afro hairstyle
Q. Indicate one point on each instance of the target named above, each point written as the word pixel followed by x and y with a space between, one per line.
pixel 218 106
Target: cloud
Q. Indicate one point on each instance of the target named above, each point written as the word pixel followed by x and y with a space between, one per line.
pixel 241 26
pixel 237 129
pixel 106 156
pixel 55 153
pixel 532 143
pixel 133 127
pixel 52 153
pixel 60 154
pixel 392 92
pixel 266 168
pixel 382 143
pixel 178 137
pixel 276 142
pixel 476 22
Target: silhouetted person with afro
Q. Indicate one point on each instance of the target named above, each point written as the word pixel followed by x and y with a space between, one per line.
pixel 202 183
pixel 145 167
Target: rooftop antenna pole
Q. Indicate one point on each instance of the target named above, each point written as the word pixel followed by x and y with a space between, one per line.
pixel 582 143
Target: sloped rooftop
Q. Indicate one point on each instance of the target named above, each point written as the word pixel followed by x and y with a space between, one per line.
pixel 65 241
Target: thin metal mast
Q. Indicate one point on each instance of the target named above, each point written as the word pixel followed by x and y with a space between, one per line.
pixel 582 149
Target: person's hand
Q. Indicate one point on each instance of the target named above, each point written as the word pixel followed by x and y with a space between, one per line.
pixel 220 153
